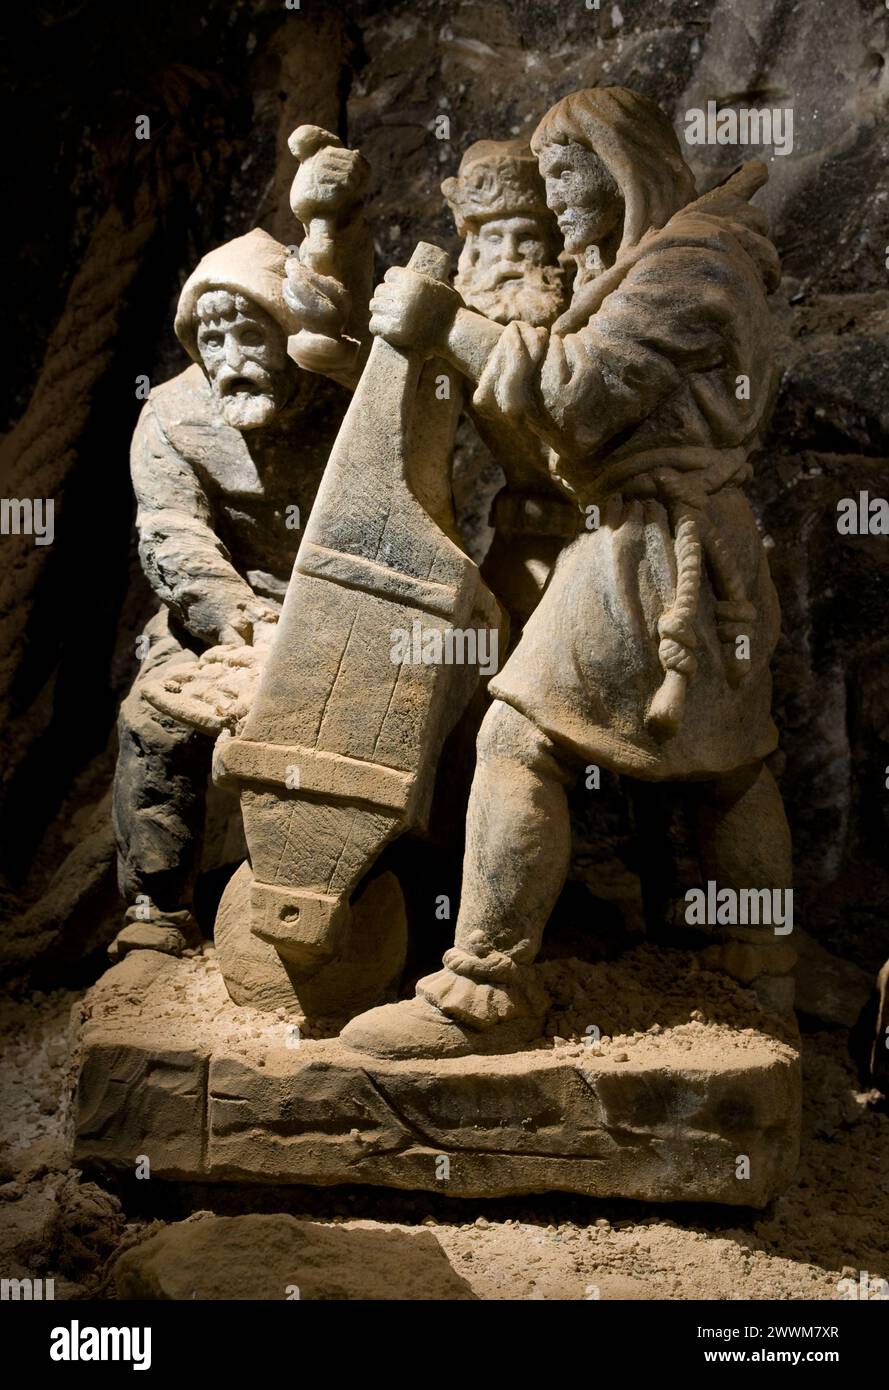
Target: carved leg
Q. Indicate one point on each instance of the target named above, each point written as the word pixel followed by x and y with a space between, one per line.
pixel 518 845
pixel 158 809
pixel 742 831
pixel 744 842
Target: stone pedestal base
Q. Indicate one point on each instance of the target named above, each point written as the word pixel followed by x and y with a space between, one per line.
pixel 172 1071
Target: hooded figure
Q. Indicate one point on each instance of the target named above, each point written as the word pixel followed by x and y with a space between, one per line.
pixel 252 265
pixel 649 650
pixel 214 503
pixel 637 145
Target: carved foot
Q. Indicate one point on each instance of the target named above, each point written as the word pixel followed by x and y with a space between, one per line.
pixel 415 1028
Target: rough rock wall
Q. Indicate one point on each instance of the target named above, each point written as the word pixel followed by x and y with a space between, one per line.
pixel 224 84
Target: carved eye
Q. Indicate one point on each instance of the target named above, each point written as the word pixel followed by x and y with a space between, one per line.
pixel 251 337
pixel 212 340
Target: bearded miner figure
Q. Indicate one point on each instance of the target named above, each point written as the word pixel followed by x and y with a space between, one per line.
pixel 225 460
pixel 649 651
pixel 509 270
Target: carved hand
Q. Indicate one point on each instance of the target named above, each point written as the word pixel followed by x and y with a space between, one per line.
pixel 320 302
pixel 214 692
pixel 247 623
pixel 412 310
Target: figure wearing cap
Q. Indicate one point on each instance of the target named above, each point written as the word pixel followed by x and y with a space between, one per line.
pixel 509 269
pixel 225 461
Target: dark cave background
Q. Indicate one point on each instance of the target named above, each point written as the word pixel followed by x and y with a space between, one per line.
pixel 107 228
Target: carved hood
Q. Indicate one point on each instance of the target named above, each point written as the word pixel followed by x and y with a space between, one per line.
pixel 637 144
pixel 251 265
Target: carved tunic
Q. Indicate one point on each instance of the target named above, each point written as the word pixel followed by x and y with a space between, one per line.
pixel 650 391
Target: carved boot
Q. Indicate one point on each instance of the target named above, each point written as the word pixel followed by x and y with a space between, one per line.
pixel 474 1005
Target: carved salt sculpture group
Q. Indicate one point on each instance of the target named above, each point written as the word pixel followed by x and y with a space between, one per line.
pixel 608 333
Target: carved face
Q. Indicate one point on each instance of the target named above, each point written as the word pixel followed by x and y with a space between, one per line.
pixel 507 271
pixel 582 194
pixel 244 352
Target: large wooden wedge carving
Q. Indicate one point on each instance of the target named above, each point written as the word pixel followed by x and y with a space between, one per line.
pixel 339 751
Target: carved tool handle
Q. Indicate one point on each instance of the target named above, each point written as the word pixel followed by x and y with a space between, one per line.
pixel 430 260
pixel 307 140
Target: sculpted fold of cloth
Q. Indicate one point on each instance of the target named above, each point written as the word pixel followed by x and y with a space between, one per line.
pixel 649 650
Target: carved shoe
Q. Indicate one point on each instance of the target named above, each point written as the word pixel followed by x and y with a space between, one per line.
pixel 169 932
pixel 416 1028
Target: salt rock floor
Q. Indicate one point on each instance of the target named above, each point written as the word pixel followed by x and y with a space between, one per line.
pixel 831 1223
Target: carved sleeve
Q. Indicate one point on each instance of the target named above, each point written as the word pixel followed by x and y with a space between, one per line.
pixel 667 318
pixel 186 563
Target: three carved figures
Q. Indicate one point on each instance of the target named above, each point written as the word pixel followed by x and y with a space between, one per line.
pixel 608 333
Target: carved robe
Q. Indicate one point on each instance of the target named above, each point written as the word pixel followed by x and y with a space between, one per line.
pixel 650 391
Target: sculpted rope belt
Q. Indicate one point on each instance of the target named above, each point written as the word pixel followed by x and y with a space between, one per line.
pixel 684 479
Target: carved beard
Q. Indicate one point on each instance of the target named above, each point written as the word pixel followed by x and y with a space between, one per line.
pixel 248 399
pixel 537 298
